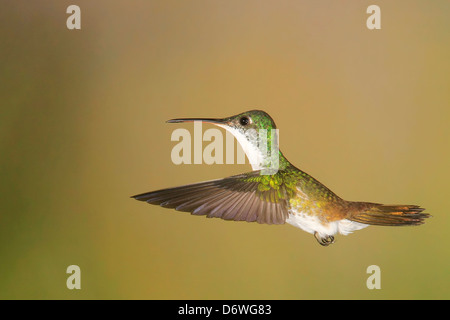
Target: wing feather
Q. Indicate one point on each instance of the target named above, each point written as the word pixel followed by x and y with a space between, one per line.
pixel 234 198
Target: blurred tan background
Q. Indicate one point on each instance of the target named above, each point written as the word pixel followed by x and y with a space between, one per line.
pixel 82 128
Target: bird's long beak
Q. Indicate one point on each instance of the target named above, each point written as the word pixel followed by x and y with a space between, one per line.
pixel 208 120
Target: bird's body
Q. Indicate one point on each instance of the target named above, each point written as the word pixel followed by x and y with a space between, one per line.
pixel 284 195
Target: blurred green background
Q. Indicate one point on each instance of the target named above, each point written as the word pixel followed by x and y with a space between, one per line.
pixel 82 128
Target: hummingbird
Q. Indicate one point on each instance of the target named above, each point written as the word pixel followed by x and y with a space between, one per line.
pixel 284 195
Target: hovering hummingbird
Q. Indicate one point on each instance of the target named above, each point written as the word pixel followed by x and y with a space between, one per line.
pixel 288 195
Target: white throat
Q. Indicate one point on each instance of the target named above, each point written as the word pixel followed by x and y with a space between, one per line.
pixel 253 153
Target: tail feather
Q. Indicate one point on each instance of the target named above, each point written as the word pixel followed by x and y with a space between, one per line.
pixel 389 215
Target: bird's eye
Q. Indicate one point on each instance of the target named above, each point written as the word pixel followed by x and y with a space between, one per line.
pixel 244 121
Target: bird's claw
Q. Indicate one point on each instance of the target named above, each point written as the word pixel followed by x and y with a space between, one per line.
pixel 324 241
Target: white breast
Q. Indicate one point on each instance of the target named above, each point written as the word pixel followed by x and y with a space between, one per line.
pixel 313 224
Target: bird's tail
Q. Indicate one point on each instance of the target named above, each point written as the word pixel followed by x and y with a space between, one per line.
pixel 388 215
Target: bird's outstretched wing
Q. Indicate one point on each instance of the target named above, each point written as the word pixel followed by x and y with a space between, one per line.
pixel 244 197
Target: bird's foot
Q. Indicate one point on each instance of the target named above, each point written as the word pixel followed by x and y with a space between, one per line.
pixel 324 241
